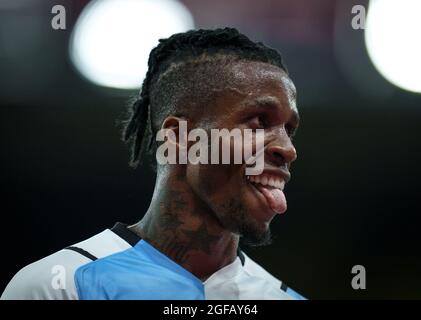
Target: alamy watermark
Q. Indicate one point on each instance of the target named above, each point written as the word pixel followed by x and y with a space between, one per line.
pixel 58 281
pixel 358 282
pixel 58 22
pixel 205 150
pixel 358 20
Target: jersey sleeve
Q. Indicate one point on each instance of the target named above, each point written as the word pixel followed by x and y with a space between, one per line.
pixel 51 278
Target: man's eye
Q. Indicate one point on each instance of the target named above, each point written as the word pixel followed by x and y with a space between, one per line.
pixel 290 130
pixel 257 122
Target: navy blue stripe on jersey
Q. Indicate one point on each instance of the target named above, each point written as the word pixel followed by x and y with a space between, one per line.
pixel 82 252
pixel 123 232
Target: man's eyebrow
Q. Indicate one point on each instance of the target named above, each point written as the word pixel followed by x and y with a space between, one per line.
pixel 265 102
pixel 271 102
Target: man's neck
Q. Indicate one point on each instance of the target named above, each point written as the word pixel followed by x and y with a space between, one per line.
pixel 183 228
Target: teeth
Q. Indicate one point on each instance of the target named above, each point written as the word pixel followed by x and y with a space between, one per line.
pixel 265 179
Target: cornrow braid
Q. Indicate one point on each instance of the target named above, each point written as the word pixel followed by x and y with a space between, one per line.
pixel 138 129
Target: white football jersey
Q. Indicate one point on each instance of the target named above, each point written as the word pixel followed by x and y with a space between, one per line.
pixel 117 264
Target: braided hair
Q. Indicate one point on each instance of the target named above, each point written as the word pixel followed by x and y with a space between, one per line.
pixel 166 80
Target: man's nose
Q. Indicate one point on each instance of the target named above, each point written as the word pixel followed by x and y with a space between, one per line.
pixel 282 153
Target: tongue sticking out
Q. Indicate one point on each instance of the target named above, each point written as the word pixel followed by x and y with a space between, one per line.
pixel 275 198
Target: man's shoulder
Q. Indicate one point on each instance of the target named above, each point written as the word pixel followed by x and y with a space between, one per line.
pixel 138 273
pixel 256 270
pixel 52 277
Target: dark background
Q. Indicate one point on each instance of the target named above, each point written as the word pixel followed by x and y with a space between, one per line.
pixel 354 196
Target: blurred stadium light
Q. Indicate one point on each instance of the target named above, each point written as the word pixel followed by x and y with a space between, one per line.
pixel 112 39
pixel 392 38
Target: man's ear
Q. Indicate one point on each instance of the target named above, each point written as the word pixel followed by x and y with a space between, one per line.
pixel 179 127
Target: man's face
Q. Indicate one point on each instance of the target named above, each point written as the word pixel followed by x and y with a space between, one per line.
pixel 260 96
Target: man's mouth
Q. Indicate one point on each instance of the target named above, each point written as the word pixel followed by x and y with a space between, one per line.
pixel 271 186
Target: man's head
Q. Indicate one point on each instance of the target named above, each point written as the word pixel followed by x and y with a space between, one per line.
pixel 216 79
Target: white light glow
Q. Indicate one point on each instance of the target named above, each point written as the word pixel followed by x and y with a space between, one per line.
pixel 393 40
pixel 112 39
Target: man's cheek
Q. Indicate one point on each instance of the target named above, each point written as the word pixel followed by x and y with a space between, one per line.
pixel 211 178
pixel 254 151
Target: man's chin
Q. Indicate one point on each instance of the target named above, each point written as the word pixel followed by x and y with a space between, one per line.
pixel 239 219
pixel 252 237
